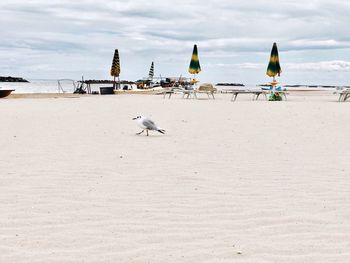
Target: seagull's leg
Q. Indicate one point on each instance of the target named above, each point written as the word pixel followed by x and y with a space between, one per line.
pixel 147 132
pixel 140 132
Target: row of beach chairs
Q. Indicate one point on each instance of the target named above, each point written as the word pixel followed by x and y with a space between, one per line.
pixel 210 90
pixel 189 92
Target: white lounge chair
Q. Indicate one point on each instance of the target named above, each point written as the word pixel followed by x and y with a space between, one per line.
pixel 344 95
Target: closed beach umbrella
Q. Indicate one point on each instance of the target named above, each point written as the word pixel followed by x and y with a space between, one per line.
pixel 195 67
pixel 115 69
pixel 151 71
pixel 274 68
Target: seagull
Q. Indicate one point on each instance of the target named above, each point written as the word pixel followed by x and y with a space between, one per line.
pixel 147 124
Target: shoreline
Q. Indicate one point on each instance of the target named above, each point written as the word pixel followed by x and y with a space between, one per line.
pixel 14 95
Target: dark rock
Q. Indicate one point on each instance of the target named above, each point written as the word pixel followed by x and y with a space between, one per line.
pixel 12 79
pixel 230 84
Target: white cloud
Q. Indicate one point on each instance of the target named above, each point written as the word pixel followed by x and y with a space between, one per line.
pixel 335 66
pixel 52 38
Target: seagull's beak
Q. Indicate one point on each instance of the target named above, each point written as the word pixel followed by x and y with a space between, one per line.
pixel 134 119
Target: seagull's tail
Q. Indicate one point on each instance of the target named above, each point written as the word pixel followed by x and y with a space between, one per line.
pixel 161 131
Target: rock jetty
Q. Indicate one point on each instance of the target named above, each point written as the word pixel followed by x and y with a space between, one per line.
pixel 12 79
pixel 230 84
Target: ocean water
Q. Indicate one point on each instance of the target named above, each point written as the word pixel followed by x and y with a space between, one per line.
pixel 45 86
pixel 51 86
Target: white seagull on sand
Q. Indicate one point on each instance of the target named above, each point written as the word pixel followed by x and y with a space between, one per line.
pixel 147 124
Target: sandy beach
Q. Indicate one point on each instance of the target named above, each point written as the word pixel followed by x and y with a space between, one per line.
pixel 244 181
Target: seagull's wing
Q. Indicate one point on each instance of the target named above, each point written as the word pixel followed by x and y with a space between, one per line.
pixel 149 124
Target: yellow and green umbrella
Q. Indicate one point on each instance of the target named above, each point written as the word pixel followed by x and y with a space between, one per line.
pixel 115 69
pixel 195 67
pixel 274 68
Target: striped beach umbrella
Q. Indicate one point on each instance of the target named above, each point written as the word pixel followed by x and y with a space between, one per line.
pixel 195 67
pixel 274 68
pixel 115 69
pixel 151 71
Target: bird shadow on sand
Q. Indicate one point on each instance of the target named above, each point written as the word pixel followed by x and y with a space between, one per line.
pixel 151 135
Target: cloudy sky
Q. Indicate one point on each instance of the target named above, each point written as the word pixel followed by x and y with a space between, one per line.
pixel 67 39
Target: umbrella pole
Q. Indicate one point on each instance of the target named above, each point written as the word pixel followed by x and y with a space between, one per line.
pixel 113 82
pixel 273 85
pixel 118 82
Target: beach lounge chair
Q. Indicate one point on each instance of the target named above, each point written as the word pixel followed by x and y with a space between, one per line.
pixel 256 93
pixel 279 88
pixel 188 92
pixel 170 91
pixel 206 88
pixel 281 91
pixel 344 95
